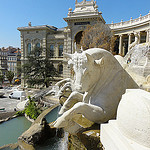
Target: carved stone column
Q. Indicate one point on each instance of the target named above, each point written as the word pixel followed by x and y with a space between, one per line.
pixel 120 43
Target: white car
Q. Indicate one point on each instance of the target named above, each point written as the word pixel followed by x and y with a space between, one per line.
pixel 17 94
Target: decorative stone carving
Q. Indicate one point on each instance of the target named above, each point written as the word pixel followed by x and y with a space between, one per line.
pixel 98 85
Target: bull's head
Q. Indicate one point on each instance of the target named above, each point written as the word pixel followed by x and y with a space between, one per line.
pixel 87 70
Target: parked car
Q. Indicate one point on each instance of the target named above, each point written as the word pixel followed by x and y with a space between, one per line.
pixel 2 94
pixel 17 94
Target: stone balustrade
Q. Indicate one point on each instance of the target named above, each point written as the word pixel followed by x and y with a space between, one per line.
pixel 131 22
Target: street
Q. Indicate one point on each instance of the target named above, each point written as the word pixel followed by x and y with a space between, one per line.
pixel 7 103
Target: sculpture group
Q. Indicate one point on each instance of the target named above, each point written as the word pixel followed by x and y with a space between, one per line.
pixel 98 85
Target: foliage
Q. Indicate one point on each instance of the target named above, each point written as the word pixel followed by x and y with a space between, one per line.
pixel 1 78
pixel 9 76
pixel 32 110
pixel 20 113
pixel 19 70
pixel 98 36
pixel 38 69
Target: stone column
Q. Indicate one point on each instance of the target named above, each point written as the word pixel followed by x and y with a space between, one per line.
pixel 139 34
pixel 147 36
pixel 66 70
pixel 44 46
pixel 129 40
pixel 57 51
pixel 120 43
pixel 23 51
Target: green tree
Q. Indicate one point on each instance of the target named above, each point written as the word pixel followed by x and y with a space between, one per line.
pixel 98 36
pixel 9 76
pixel 38 69
pixel 1 78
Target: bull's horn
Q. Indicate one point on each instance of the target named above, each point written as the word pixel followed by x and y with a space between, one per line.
pixel 89 58
pixel 66 55
pixel 100 61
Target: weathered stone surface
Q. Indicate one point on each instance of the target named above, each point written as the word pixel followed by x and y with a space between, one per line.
pixel 86 140
pixel 133 116
pixel 37 133
pixel 10 146
pixel 131 130
pixel 39 130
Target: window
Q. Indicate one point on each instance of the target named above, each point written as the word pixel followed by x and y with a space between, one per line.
pixel 38 52
pixel 38 45
pixel 51 50
pixel 60 69
pixel 60 50
pixel 29 48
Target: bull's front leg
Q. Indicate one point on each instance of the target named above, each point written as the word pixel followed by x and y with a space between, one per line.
pixel 71 100
pixel 91 112
pixel 60 83
pixel 62 90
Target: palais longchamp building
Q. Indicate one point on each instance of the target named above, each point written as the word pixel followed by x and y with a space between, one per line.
pixel 59 40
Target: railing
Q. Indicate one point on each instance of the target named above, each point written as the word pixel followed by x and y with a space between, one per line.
pixel 131 22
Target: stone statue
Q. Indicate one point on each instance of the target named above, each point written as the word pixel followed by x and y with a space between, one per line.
pixel 98 85
pixel 135 42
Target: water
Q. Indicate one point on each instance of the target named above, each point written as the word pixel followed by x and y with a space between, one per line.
pixel 53 115
pixel 12 129
pixel 55 143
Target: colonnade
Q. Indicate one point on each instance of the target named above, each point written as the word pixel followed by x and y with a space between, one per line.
pixel 126 41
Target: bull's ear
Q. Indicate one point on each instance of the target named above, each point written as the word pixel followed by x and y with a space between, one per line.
pixel 89 58
pixel 100 61
pixel 66 55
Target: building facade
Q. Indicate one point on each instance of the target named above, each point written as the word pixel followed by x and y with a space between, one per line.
pixel 13 61
pixel 56 41
pixel 9 60
pixel 3 61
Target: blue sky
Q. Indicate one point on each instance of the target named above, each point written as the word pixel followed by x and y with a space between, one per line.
pixel 17 13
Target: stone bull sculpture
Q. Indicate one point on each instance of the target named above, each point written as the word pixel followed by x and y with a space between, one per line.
pixel 98 85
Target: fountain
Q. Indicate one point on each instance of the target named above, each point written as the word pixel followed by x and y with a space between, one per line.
pixel 97 72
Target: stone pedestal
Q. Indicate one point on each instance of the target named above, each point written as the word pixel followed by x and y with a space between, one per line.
pixel 113 139
pixel 130 130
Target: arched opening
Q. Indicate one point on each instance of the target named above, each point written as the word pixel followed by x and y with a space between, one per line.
pixel 51 51
pixel 60 69
pixel 78 37
pixel 37 44
pixel 29 48
pixel 60 50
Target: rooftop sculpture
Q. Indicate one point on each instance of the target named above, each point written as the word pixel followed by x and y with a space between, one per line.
pixel 97 87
